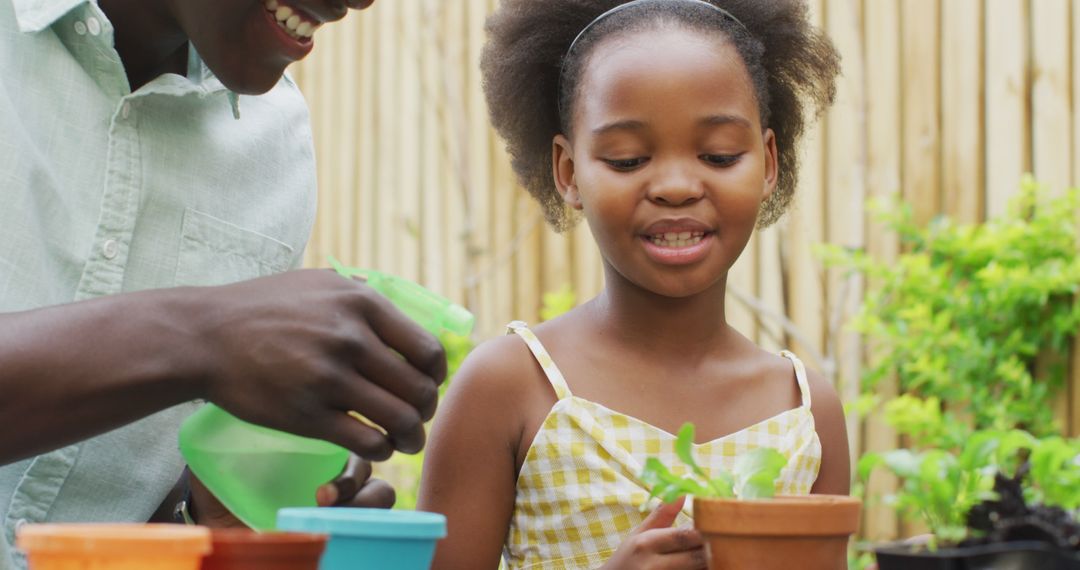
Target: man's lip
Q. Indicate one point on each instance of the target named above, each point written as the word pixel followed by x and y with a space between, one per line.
pixel 676 225
pixel 320 13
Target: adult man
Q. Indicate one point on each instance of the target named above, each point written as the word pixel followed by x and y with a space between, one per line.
pixel 157 181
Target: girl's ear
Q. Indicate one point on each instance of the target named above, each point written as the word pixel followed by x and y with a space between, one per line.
pixel 562 165
pixel 772 164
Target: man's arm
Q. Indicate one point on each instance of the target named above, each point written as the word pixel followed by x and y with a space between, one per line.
pixel 294 352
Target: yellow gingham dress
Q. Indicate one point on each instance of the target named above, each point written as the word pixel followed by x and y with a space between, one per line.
pixel 579 492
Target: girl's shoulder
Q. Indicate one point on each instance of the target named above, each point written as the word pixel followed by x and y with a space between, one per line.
pixel 502 379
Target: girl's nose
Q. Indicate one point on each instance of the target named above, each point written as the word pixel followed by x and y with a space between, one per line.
pixel 675 185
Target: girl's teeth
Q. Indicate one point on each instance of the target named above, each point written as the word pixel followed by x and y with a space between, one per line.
pixel 664 241
pixel 305 29
pixel 283 13
pixel 292 22
pixel 271 5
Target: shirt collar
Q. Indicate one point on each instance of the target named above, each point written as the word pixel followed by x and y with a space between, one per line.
pixel 36 15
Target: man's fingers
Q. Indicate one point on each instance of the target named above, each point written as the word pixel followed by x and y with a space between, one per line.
pixel 402 422
pixel 344 487
pixel 379 363
pixel 422 350
pixel 365 441
pixel 374 494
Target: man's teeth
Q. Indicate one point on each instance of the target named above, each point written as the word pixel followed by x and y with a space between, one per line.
pixel 680 239
pixel 291 21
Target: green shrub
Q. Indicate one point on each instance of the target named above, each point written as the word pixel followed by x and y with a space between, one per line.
pixel 974 320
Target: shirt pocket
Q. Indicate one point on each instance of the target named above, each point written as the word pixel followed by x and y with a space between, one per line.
pixel 216 252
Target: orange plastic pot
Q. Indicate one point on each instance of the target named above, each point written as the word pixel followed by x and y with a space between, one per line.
pixel 241 549
pixel 807 532
pixel 113 546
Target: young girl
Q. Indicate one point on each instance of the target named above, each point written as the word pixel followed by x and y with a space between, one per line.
pixel 671 125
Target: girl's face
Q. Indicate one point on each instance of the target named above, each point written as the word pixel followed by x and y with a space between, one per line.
pixel 668 161
pixel 249 43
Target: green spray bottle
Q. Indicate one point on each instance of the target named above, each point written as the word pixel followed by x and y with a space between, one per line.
pixel 254 470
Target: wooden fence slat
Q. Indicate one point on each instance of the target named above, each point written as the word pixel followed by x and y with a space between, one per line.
pixel 962 110
pixel 1051 94
pixel 883 182
pixel 453 111
pixel 345 147
pixel 1074 362
pixel 845 195
pixel 368 161
pixel 434 190
pixel 506 244
pixel 771 335
pixel 527 282
pixel 386 224
pixel 407 178
pixel 743 280
pixel 921 104
pixel 479 178
pixel 802 229
pixel 1008 135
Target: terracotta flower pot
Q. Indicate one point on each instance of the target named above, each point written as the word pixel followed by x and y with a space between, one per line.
pixel 241 549
pixel 807 532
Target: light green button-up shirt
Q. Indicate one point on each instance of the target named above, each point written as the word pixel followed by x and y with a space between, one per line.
pixel 104 191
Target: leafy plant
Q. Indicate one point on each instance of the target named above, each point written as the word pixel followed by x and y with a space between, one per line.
pixel 975 320
pixel 754 476
pixel 942 486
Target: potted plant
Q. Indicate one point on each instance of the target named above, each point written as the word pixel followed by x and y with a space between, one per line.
pixel 745 525
pixel 1005 499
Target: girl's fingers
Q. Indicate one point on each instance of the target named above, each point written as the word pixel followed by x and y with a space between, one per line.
pixel 673 540
pixel 687 560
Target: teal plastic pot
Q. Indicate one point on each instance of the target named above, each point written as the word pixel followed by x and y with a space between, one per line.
pixel 370 539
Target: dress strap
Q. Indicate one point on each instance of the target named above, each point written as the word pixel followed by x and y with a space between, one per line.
pixel 800 376
pixel 554 375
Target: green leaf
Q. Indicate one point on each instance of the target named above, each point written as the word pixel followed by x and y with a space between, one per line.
pixel 684 446
pixel 756 472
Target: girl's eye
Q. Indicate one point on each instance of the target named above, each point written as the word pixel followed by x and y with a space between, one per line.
pixel 625 164
pixel 721 159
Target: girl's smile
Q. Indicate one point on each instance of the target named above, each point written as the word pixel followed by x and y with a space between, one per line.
pixel 678 242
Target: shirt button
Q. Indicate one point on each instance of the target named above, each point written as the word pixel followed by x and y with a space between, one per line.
pixel 110 248
pixel 80 28
pixel 125 110
pixel 93 25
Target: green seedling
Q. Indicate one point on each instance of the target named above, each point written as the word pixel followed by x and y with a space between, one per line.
pixel 754 476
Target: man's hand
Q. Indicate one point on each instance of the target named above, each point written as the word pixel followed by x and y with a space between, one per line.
pixel 356 488
pixel 298 351
pixel 353 488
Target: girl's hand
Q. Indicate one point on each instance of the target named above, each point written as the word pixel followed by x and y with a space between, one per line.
pixel 655 544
